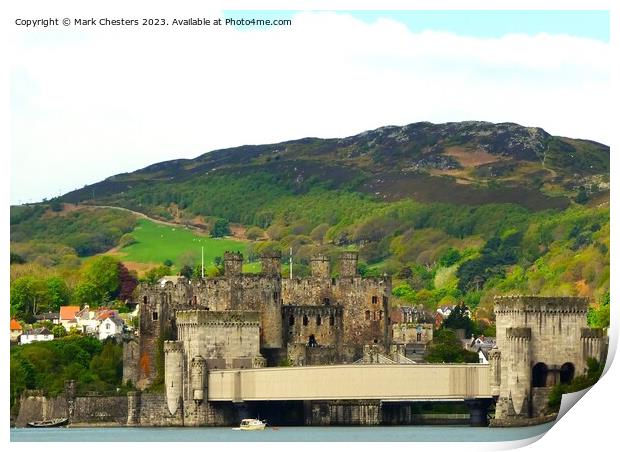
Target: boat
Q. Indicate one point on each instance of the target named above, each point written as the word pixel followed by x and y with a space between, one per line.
pixel 251 424
pixel 57 422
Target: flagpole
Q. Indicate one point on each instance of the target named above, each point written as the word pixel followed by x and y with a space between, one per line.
pixel 290 262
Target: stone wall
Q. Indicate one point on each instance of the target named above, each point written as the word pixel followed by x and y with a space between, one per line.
pixel 36 407
pixel 100 409
pixel 324 324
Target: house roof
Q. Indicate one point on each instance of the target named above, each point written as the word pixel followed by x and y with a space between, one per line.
pixel 117 321
pixel 104 314
pixel 48 316
pixel 42 330
pixel 68 312
pixel 15 325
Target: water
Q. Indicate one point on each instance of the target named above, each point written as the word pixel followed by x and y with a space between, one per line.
pixel 366 434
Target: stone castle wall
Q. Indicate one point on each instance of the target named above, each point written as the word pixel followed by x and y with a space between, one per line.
pixel 323 323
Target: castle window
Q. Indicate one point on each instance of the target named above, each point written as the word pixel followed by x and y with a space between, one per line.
pixel 276 296
pixel 332 320
pixel 195 300
pixel 145 300
pixel 374 315
pixel 291 320
pixel 326 301
pixel 376 340
pixel 318 320
pixel 380 315
pixel 155 316
pixel 367 315
pixel 374 300
pixel 305 320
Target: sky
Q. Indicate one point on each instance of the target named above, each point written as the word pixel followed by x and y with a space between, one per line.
pixel 90 103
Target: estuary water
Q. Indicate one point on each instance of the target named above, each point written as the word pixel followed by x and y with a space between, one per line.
pixel 283 434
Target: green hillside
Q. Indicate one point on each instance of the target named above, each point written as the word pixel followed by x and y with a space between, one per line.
pixel 453 212
pixel 156 243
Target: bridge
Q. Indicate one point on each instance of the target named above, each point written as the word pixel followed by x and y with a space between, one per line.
pixel 386 383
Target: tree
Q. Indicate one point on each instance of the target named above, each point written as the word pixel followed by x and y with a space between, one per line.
pixel 58 293
pixel 27 293
pixel 254 233
pixel 155 274
pixel 17 259
pixel 59 331
pixel 447 348
pixel 450 257
pixel 220 228
pixel 128 282
pixel 103 273
pixel 459 319
pixel 186 271
pixel 168 263
pixel 582 196
pixel 87 293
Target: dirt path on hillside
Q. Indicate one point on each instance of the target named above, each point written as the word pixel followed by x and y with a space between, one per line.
pixel 238 231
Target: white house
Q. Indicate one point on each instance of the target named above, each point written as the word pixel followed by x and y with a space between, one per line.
pixel 110 326
pixel 37 335
pixel 87 321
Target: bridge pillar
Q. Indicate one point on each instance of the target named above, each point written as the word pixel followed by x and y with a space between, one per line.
pixel 478 411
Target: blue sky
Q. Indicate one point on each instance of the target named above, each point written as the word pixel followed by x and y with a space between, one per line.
pixel 481 24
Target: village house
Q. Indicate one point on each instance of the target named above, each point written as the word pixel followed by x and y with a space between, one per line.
pixel 36 335
pixel 16 330
pixel 110 326
pixel 87 320
pixel 53 317
pixel 67 316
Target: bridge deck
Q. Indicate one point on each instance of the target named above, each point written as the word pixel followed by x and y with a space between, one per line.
pixel 342 382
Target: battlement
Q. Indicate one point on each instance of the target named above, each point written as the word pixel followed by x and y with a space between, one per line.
pixel 530 303
pixel 225 318
pixel 173 347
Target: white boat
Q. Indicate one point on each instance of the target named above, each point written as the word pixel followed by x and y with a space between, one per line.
pixel 251 424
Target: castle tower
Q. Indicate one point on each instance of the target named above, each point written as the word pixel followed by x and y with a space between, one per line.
pixel 198 381
pixel 348 264
pixel 173 364
pixel 233 263
pixel 270 263
pixel 541 341
pixel 319 265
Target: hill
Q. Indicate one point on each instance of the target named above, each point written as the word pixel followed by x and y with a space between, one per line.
pixel 454 212
pixel 469 163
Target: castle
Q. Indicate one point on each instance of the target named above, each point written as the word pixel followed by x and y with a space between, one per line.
pixel 541 341
pixel 194 333
pixel 253 320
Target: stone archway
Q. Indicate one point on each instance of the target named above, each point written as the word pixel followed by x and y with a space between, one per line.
pixel 567 373
pixel 539 375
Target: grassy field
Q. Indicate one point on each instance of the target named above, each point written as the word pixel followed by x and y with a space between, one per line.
pixel 156 243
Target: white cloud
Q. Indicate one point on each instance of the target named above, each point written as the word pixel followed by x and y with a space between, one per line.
pixel 92 105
